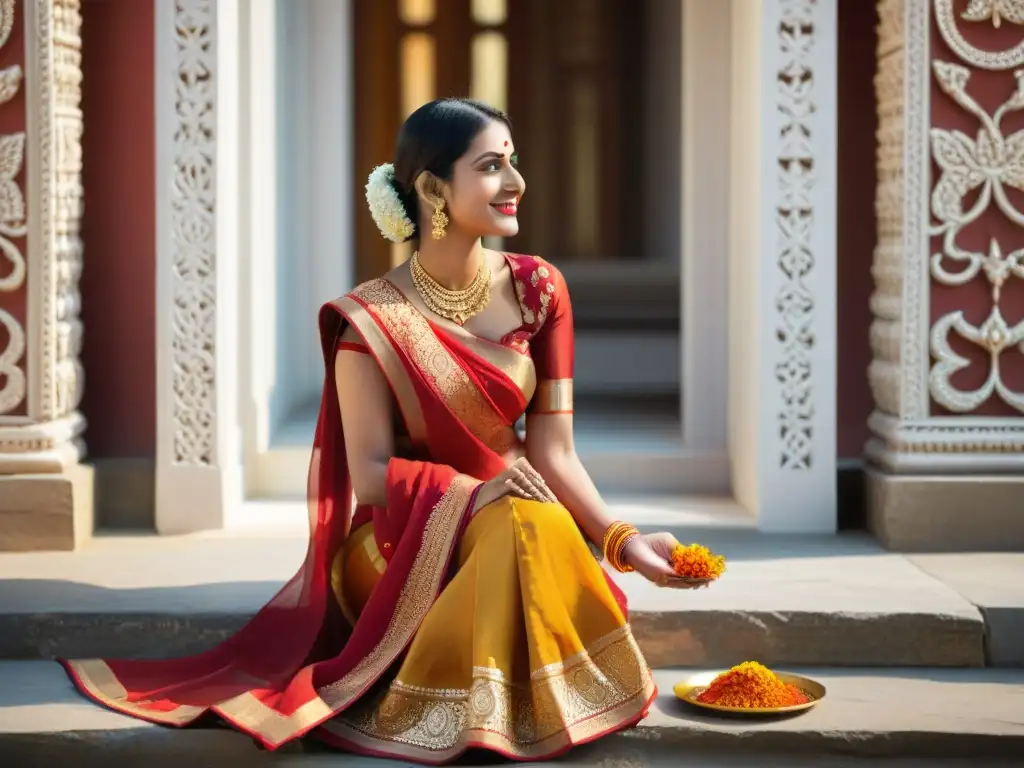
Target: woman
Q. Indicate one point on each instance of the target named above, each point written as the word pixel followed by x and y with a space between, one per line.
pixel 458 604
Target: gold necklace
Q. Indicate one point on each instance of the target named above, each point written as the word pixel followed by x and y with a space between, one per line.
pixel 457 306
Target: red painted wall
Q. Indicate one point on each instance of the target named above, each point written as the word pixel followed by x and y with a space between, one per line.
pixel 118 279
pixel 856 225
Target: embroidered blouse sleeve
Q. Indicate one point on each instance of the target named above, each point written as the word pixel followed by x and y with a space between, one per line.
pixel 553 349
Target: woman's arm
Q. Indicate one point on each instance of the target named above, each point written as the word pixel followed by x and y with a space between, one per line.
pixel 366 411
pixel 549 440
pixel 550 450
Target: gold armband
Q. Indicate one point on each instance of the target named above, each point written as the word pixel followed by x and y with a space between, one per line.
pixel 552 396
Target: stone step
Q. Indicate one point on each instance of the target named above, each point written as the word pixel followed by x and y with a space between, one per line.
pixel 812 601
pixel 867 714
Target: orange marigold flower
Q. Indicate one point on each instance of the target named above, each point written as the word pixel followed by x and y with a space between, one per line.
pixel 751 686
pixel 697 562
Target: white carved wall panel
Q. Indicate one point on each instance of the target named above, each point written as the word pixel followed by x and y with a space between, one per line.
pixel 914 358
pixel 12 225
pixel 42 374
pixel 197 481
pixel 783 263
pixel 980 168
pixel 60 253
pixel 193 233
pixel 798 306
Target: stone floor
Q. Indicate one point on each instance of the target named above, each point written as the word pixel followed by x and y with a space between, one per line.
pixel 995 584
pixel 811 600
pixel 900 642
pixel 866 713
pixel 786 599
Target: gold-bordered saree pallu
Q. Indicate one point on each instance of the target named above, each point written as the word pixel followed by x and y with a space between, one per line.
pixel 298 664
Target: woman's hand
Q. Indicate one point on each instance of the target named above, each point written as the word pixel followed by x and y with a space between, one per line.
pixel 520 480
pixel 651 556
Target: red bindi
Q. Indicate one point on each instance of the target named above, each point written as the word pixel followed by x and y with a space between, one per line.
pixel 506 143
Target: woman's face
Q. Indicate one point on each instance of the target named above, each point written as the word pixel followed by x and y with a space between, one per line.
pixel 484 192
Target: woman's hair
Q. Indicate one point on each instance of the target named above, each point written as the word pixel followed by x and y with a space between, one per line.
pixel 433 138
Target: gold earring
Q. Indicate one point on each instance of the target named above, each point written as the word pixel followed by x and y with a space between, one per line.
pixel 439 219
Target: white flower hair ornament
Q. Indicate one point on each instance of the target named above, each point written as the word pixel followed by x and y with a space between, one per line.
pixel 386 206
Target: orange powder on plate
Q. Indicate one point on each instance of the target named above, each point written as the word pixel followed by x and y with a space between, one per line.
pixel 751 686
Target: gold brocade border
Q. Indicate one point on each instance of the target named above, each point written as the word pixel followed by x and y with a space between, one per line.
pixel 250 713
pixel 417 595
pixel 410 329
pixel 519 368
pixel 591 694
pixel 552 396
pixel 100 682
pixel 270 725
pixel 394 371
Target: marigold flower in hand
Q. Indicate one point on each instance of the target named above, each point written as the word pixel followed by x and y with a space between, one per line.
pixel 697 562
pixel 751 686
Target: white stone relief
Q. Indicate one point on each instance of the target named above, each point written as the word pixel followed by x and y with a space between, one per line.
pixel 916 160
pixel 996 10
pixel 980 10
pixel 794 301
pixel 12 226
pixel 47 383
pixel 984 167
pixel 957 435
pixel 12 207
pixel 884 373
pixel 193 234
pixel 61 207
pixel 899 368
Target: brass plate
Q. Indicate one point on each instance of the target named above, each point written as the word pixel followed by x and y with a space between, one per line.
pixel 689 689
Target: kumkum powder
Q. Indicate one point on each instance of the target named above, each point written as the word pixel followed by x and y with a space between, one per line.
pixel 751 686
pixel 697 562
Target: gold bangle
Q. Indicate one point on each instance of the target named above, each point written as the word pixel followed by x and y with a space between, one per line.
pixel 616 538
pixel 618 563
pixel 610 535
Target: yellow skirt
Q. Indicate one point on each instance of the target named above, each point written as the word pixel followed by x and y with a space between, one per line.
pixel 525 652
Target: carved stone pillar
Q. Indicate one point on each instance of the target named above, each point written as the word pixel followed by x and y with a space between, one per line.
pixel 198 479
pixel 782 321
pixel 948 335
pixel 45 494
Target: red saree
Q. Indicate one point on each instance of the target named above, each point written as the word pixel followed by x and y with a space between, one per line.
pixel 297 664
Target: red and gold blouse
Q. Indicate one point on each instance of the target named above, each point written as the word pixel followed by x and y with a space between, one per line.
pixel 545 334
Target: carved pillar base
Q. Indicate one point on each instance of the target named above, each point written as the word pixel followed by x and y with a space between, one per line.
pixel 52 511
pixel 943 513
pixel 45 495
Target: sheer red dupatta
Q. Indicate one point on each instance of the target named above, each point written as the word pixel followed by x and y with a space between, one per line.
pixel 291 667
